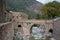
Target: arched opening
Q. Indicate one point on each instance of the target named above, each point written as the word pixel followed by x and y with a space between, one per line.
pixel 34 26
pixel 50 30
pixel 37 31
pixel 19 26
pixel 18 33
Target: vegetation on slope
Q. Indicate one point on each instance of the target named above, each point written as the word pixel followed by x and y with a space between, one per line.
pixel 22 5
pixel 51 10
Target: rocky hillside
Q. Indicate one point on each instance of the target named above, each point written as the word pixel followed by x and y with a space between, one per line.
pixel 28 6
pixel 35 7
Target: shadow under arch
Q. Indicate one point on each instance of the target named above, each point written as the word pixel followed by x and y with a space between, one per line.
pixel 50 31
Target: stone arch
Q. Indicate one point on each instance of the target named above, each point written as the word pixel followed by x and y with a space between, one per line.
pixel 34 25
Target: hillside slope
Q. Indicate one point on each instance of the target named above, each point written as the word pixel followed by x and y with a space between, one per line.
pixel 31 7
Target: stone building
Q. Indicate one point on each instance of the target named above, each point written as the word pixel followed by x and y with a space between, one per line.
pixel 18 16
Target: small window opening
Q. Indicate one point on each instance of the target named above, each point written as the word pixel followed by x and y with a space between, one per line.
pixel 19 25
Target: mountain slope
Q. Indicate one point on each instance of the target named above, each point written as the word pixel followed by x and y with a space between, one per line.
pixel 31 7
pixel 35 7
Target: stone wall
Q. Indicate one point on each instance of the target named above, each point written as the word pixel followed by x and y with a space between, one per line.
pixel 6 31
pixel 17 16
pixel 57 29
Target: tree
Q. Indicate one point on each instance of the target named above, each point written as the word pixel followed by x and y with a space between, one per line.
pixel 38 16
pixel 51 10
pixel 2 10
pixel 30 17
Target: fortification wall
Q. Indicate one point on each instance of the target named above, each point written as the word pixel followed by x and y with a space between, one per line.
pixel 6 31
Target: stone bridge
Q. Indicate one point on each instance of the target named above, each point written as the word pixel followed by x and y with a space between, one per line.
pixel 9 29
pixel 47 24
